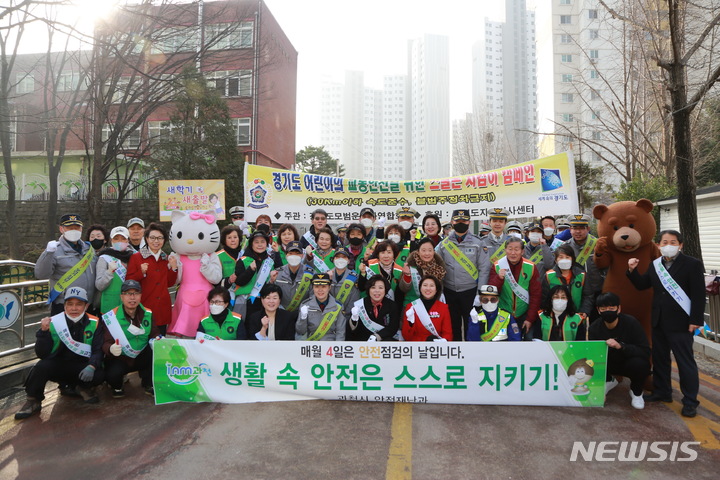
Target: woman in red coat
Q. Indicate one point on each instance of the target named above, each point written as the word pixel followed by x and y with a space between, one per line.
pixel 427 318
pixel 156 272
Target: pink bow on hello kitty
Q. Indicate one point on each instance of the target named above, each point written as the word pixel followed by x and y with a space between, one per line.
pixel 209 219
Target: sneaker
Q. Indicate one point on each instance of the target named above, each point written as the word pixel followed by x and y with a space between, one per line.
pixel 118 393
pixel 150 391
pixel 88 394
pixel 611 384
pixel 687 411
pixel 69 391
pixel 32 405
pixel 637 401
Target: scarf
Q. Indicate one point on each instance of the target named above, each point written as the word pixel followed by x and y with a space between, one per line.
pixel 431 268
pixel 122 256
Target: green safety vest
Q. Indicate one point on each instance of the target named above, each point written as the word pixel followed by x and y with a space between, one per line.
pixel 88 333
pixel 137 342
pixel 508 300
pixel 403 255
pixel 576 287
pixel 247 288
pixel 502 320
pixel 226 331
pixel 227 262
pixel 569 327
pixel 110 297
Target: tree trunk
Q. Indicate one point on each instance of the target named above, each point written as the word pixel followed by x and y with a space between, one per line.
pixel 52 223
pixel 684 167
pixel 14 249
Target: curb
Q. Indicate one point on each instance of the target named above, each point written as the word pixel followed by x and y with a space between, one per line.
pixel 707 347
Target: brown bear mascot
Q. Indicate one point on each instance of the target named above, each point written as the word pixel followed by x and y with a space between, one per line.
pixel 626 230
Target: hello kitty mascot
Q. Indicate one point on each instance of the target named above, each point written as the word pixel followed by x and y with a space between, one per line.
pixel 194 238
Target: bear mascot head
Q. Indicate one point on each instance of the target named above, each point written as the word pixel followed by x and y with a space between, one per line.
pixel 626 230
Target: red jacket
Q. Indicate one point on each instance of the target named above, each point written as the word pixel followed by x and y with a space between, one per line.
pixel 440 317
pixel 154 283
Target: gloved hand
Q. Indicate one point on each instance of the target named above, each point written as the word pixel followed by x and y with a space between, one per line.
pixel 355 311
pixel 87 373
pixel 381 222
pixel 304 312
pixel 116 349
pixel 52 246
pixel 476 302
pixel 372 338
pixel 204 259
pixel 473 315
pixel 439 340
pixel 112 266
pixel 152 341
pixel 308 250
pixel 410 315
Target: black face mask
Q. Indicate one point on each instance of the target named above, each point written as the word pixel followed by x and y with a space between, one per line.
pixel 263 227
pixel 461 228
pixel 609 316
pixel 97 244
pixel 355 241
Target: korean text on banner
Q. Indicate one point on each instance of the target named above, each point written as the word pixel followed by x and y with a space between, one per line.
pixel 191 196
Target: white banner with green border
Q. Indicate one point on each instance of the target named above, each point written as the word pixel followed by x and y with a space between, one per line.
pixel 503 373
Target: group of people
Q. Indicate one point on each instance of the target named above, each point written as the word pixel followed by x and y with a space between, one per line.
pixel 369 280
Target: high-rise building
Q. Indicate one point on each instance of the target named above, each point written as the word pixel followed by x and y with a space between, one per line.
pixel 395 129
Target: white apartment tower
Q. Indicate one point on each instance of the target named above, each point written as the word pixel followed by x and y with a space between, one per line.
pixel 395 129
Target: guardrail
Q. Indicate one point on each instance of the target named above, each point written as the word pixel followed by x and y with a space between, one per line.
pixel 17 297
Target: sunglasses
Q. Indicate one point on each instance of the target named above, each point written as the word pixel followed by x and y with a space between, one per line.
pixel 491 300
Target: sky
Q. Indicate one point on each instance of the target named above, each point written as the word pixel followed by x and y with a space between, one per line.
pixel 332 36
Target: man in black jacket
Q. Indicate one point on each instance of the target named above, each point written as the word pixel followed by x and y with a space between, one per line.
pixel 678 309
pixel 628 347
pixel 69 346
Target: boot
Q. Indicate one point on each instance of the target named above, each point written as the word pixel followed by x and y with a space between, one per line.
pixel 31 406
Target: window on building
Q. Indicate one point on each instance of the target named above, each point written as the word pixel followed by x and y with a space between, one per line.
pixel 594 95
pixel 597 135
pixel 592 13
pixel 68 81
pixel 565 19
pixel 568 117
pixel 566 38
pixel 242 130
pixel 25 83
pixel 158 131
pixel 594 54
pixel 565 2
pixel 594 74
pixel 121 90
pixel 566 58
pixel 594 116
pixel 173 40
pixel 567 98
pixel 231 83
pixel 128 139
pixel 593 34
pixel 567 77
pixel 225 36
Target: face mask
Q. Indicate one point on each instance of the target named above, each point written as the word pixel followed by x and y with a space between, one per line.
pixel 559 304
pixel 294 260
pixel 461 227
pixel 133 330
pixel 514 234
pixel 97 243
pixel 355 241
pixel 366 222
pixel 217 309
pixel 263 228
pixel 394 238
pixel 406 225
pixel 535 236
pixel 608 316
pixel 548 231
pixel 669 251
pixel 239 223
pixel 120 246
pixel 490 306
pixel 75 319
pixel 340 263
pixel 564 264
pixel 72 235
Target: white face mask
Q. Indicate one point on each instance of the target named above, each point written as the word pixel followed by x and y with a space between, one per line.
pixel 133 330
pixel 217 309
pixel 120 246
pixel 548 231
pixel 239 223
pixel 515 234
pixel 564 264
pixel 406 225
pixel 75 319
pixel 394 238
pixel 669 251
pixel 366 222
pixel 72 235
pixel 535 236
pixel 294 260
pixel 340 263
pixel 559 304
pixel 489 306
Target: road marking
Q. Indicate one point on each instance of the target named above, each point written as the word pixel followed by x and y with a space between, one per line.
pixel 399 464
pixel 703 376
pixel 700 427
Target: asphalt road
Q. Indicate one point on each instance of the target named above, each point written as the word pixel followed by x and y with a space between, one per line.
pixel 132 438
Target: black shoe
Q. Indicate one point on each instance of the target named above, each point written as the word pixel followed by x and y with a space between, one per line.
pixel 689 411
pixel 150 391
pixel 89 395
pixel 69 391
pixel 118 393
pixel 31 406
pixel 656 397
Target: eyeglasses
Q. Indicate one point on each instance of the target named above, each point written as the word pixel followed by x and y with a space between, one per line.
pixel 156 239
pixel 216 302
pixel 131 294
pixel 238 217
pixel 491 300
